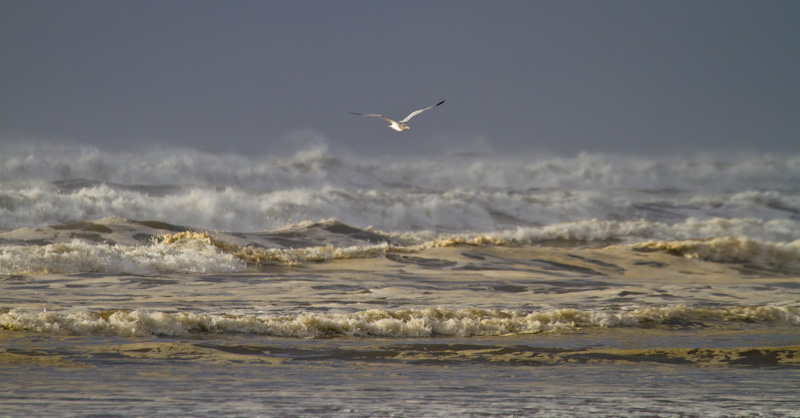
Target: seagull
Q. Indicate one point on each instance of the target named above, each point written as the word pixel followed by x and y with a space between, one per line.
pixel 399 126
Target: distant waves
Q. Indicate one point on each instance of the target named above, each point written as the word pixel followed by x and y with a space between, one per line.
pixel 589 194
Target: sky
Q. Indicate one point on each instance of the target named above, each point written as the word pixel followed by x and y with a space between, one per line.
pixel 558 77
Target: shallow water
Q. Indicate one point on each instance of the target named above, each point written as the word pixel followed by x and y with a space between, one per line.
pixel 488 376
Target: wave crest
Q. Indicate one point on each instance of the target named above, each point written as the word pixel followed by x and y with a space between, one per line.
pixel 189 253
pixel 732 250
pixel 411 323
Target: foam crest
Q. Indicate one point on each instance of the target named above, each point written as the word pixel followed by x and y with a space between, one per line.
pixel 404 323
pixel 603 231
pixel 784 256
pixel 242 210
pixel 183 254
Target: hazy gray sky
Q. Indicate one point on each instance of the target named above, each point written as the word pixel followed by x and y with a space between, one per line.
pixel 647 77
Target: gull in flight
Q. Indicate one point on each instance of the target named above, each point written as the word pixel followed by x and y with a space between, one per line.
pixel 399 126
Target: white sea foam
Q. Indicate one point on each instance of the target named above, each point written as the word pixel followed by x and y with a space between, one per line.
pixel 191 255
pixel 608 231
pixel 234 209
pixel 387 323
pixel 590 195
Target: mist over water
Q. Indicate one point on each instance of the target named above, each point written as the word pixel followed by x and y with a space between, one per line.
pixel 249 193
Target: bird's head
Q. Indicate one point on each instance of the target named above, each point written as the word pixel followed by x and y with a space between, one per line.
pixel 406 127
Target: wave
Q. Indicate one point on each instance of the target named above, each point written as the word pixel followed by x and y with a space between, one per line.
pixel 406 323
pixel 248 193
pixel 190 253
pixel 452 210
pixel 631 231
pixel 119 246
pixel 778 256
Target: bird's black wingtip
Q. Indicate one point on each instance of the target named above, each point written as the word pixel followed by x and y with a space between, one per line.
pixel 437 104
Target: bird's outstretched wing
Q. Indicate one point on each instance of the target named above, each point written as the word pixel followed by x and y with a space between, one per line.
pixel 417 112
pixel 375 116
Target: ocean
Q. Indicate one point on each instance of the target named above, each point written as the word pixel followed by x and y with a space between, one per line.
pixel 189 283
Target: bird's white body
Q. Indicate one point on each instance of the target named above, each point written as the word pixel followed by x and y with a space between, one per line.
pixel 401 125
pixel 397 126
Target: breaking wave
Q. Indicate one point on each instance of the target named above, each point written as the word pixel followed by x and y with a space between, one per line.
pixel 178 254
pixel 249 193
pixel 780 256
pixel 411 323
pixel 192 252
